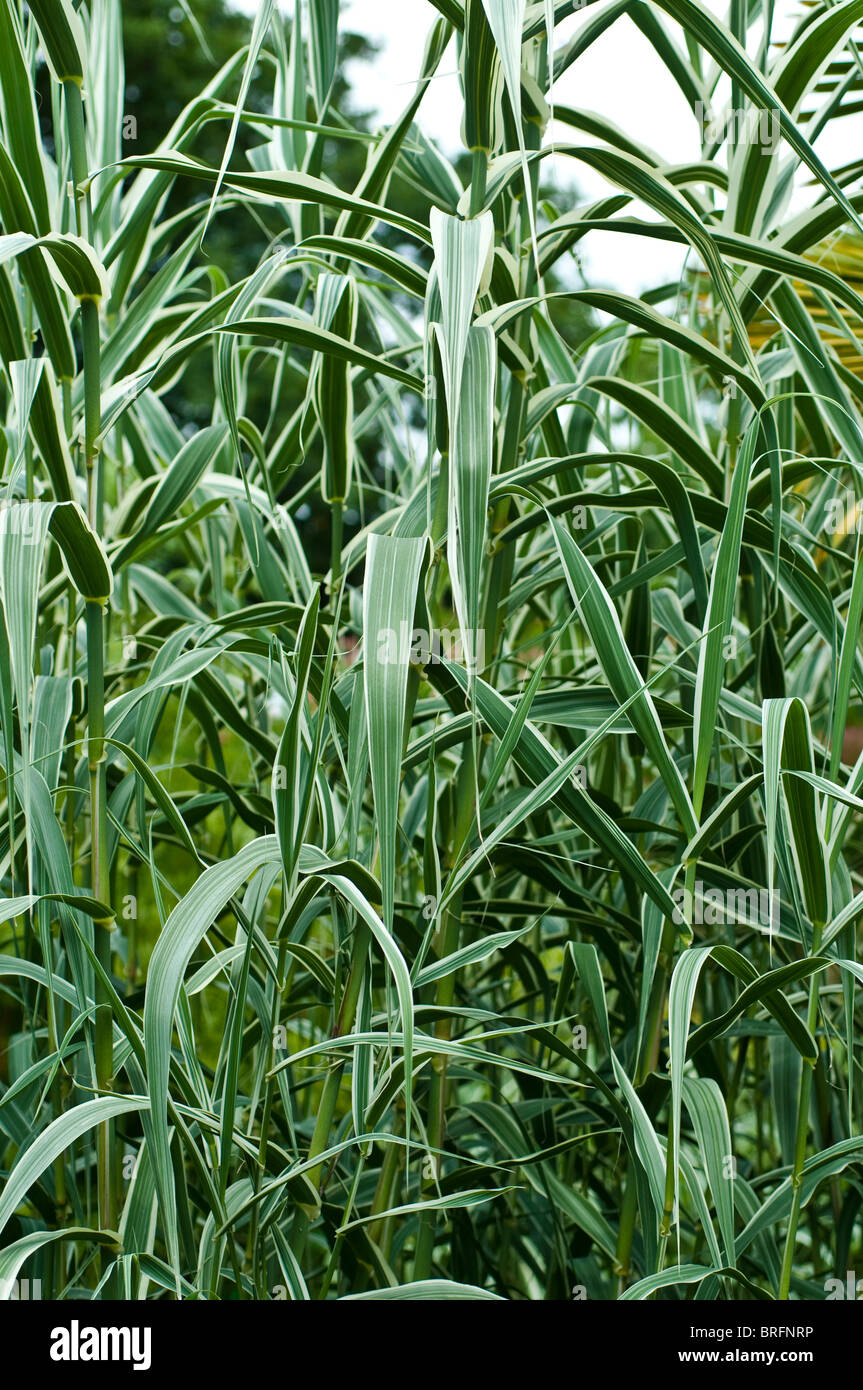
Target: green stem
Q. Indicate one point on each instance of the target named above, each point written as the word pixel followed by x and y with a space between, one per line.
pixel 336 532
pixel 379 1230
pixel 78 156
pixel 332 1085
pixel 649 1059
pixel 101 889
pixel 803 1099
pixel 323 1124
pixel 626 1230
pixel 479 170
pixel 445 994
pixel 349 1206
pixel 278 990
pixel 92 412
pixel 670 1153
pixel 99 874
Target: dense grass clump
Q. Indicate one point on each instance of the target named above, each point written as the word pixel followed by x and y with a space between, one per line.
pixel 429 834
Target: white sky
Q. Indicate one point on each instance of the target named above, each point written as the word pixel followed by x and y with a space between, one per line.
pixel 619 77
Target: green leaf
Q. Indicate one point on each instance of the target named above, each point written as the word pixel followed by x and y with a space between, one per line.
pixel 601 621
pixel 189 922
pixel 58 1136
pixel 425 1290
pixel 83 552
pixel 393 567
pixel 62 35
pixel 717 625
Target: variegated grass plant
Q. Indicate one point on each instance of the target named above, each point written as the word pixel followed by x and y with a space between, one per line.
pixel 341 961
